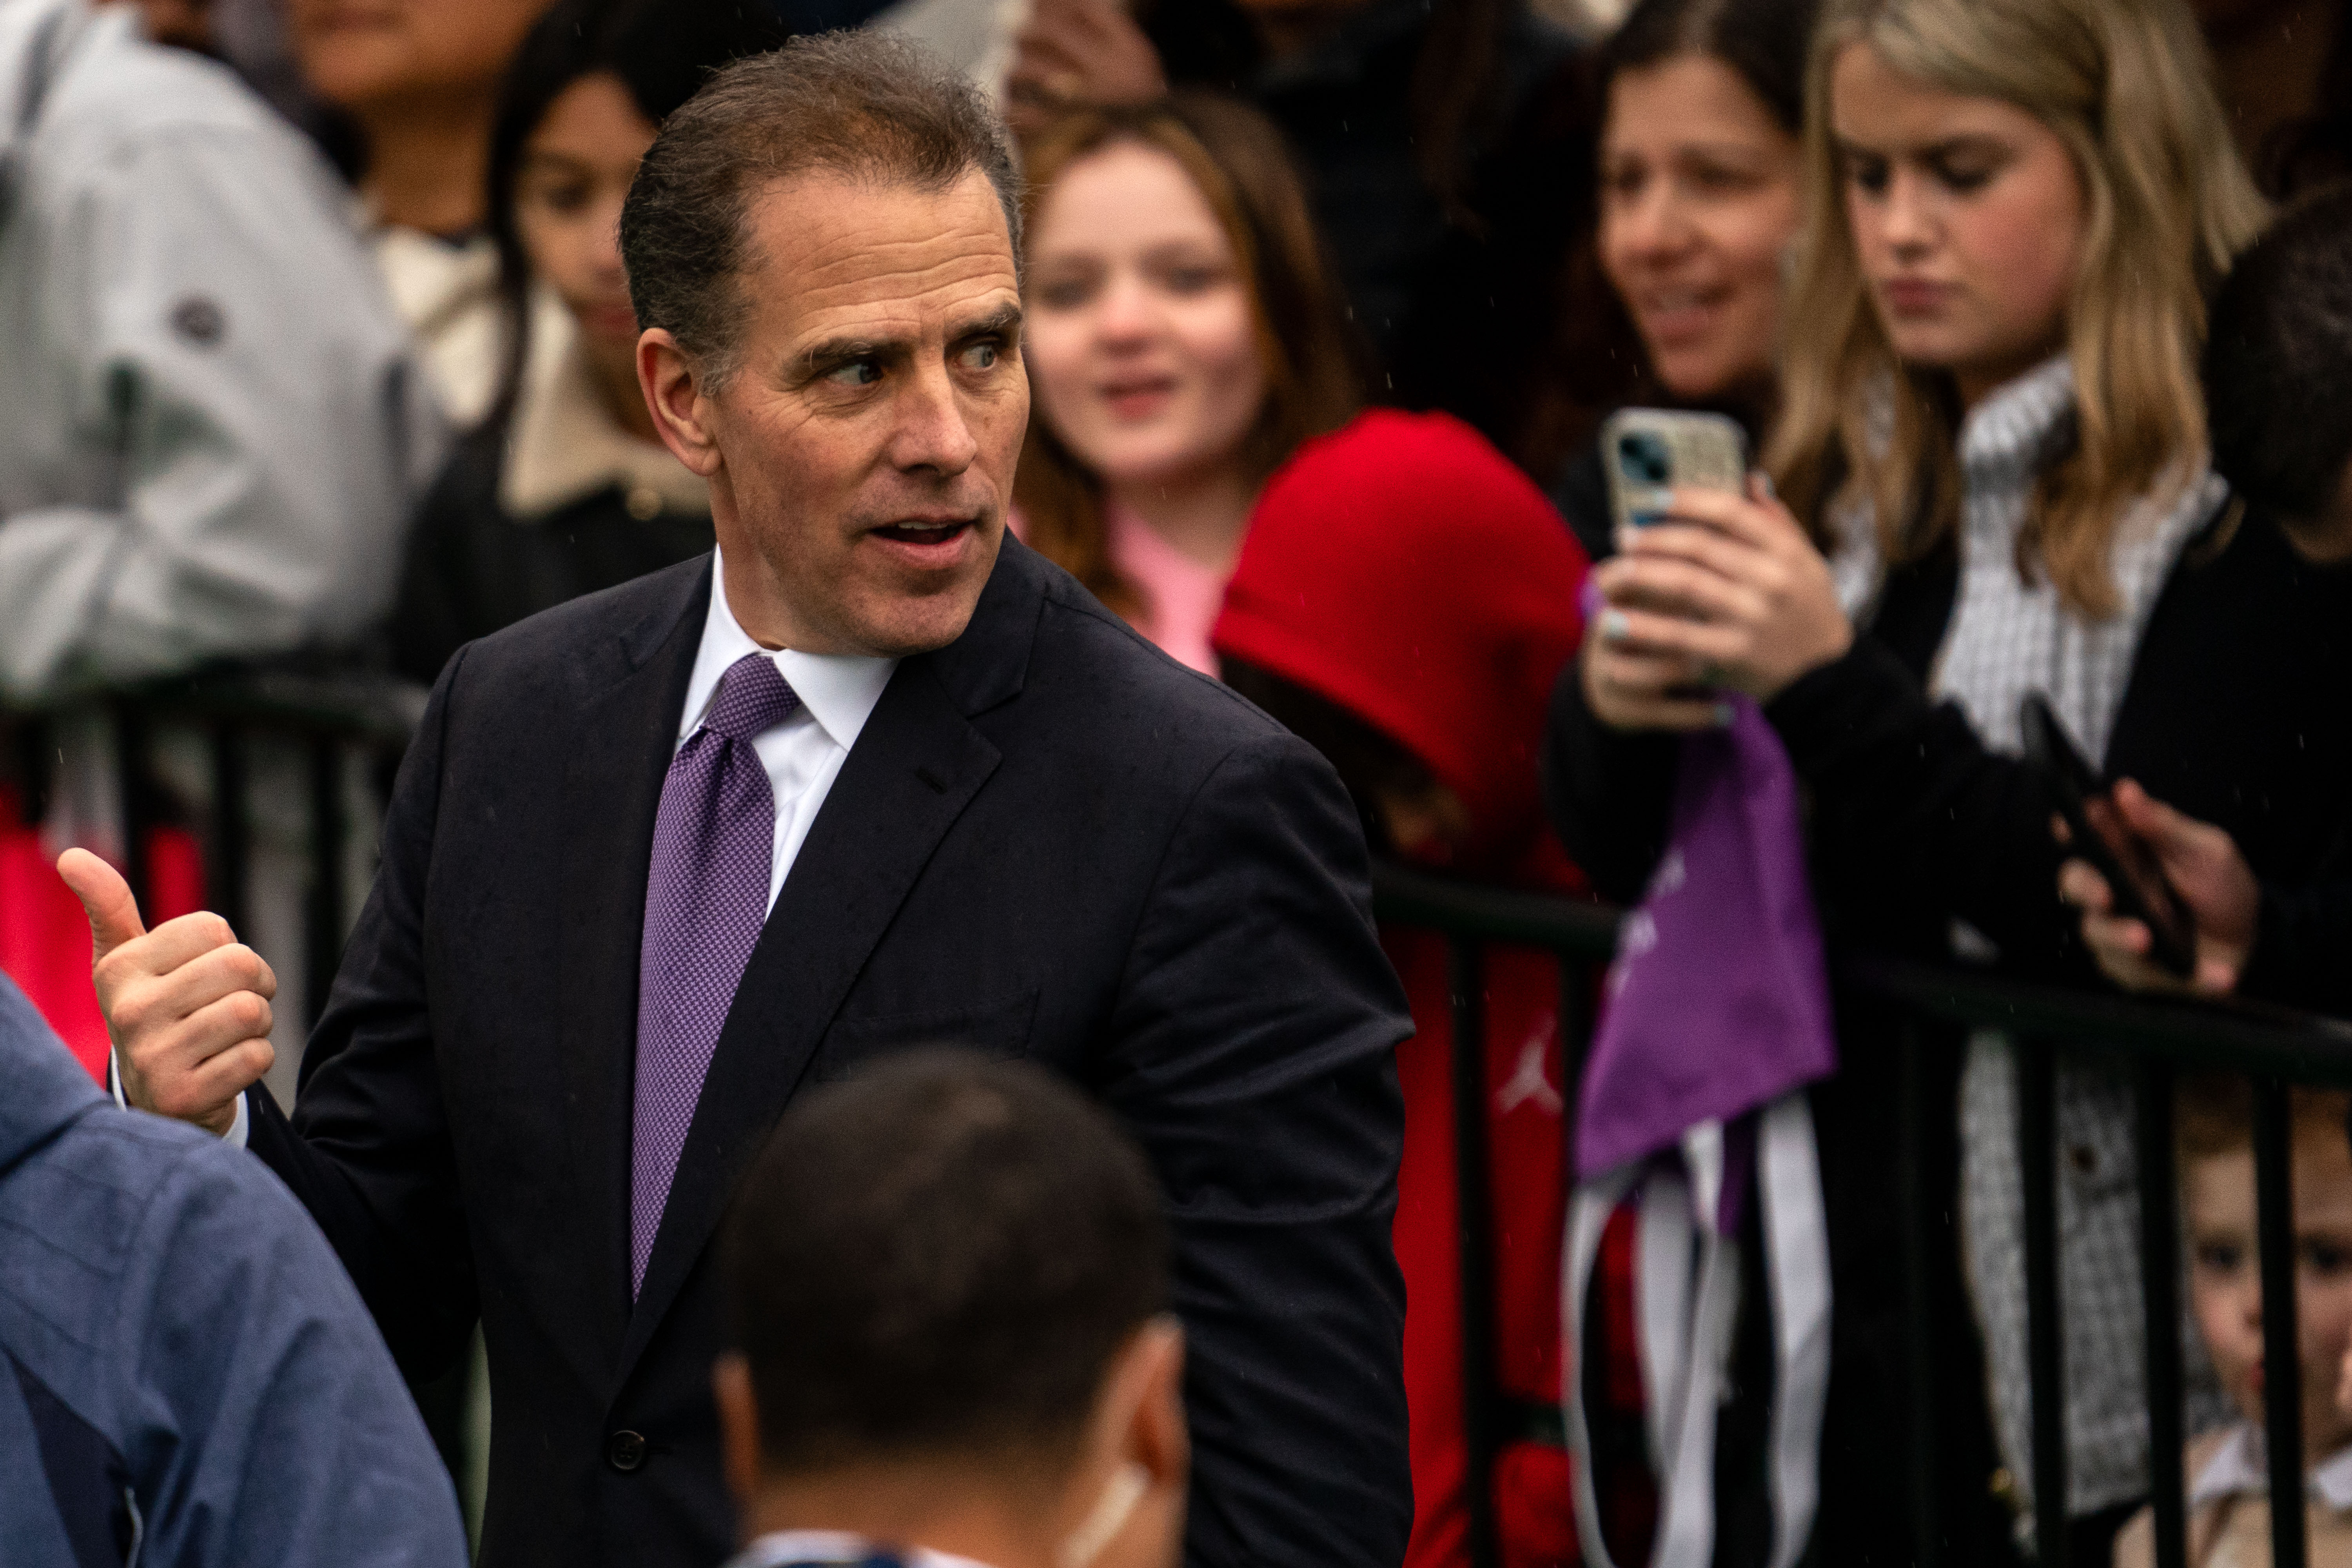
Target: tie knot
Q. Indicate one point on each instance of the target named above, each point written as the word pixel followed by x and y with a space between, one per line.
pixel 753 696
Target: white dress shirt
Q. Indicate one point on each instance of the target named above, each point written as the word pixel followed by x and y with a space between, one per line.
pixel 803 755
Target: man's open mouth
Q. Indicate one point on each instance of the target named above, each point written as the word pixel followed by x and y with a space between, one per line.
pixel 925 532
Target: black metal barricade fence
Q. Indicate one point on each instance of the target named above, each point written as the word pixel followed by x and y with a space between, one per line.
pixel 333 719
pixel 2274 1049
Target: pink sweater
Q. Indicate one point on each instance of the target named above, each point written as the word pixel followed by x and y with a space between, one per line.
pixel 1180 596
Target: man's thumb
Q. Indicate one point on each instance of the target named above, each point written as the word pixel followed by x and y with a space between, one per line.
pixel 106 896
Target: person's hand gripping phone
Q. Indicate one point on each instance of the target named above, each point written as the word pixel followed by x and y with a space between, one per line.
pixel 186 1004
pixel 2202 863
pixel 1725 592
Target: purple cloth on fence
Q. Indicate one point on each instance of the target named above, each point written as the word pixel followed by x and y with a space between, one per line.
pixel 1718 1002
pixel 705 899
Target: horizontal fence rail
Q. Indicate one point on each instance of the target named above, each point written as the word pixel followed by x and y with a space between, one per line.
pixel 2155 1037
pixel 331 720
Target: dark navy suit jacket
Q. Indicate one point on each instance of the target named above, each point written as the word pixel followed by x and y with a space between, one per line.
pixel 1050 841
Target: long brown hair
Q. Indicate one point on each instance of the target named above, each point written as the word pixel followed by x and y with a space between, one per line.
pixel 1313 383
pixel 2125 84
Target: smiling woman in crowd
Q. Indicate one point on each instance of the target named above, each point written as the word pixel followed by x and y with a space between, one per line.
pixel 1183 337
pixel 564 489
pixel 1698 207
pixel 1991 420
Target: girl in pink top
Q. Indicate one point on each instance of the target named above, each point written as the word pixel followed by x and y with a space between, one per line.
pixel 1184 336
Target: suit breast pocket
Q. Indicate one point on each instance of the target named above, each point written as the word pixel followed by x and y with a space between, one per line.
pixel 997 1029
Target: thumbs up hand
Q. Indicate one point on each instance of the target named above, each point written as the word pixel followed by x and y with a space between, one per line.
pixel 186 1004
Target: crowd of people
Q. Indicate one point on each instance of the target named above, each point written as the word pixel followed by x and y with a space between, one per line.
pixel 978 526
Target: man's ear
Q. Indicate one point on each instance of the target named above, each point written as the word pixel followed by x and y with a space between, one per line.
pixel 673 386
pixel 1142 1445
pixel 739 1427
pixel 1159 1438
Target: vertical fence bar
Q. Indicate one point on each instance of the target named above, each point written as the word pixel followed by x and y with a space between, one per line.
pixel 2282 1370
pixel 224 879
pixel 1924 1223
pixel 37 760
pixel 2037 1143
pixel 325 924
pixel 2159 1280
pixel 1476 1229
pixel 138 804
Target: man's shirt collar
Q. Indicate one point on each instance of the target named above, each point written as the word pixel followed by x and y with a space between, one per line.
pixel 837 690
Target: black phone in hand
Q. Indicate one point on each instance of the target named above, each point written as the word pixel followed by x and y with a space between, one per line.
pixel 2085 802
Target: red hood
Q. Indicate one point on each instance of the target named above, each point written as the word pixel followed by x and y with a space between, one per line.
pixel 1404 569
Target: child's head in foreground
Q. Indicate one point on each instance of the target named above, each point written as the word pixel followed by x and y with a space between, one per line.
pixel 2215 1128
pixel 947 1287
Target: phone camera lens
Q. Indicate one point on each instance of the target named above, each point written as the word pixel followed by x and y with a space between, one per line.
pixel 1643 459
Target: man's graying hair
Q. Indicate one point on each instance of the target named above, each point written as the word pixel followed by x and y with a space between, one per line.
pixel 866 105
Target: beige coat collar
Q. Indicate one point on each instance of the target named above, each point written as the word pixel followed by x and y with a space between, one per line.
pixel 563 447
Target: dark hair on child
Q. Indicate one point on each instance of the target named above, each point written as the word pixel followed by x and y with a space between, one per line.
pixel 1764 41
pixel 1369 764
pixel 661 50
pixel 938 1258
pixel 2278 361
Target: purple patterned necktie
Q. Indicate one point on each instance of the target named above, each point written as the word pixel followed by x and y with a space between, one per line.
pixel 705 899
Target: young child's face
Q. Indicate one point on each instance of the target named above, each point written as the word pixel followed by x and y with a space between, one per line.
pixel 2225 1285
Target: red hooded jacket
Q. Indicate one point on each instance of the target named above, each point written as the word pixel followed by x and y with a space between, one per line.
pixel 1404 570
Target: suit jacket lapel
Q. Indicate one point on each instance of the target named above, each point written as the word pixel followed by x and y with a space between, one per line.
pixel 916 764
pixel 633 689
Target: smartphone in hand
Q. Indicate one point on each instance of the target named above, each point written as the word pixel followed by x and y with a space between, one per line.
pixel 2083 801
pixel 1646 452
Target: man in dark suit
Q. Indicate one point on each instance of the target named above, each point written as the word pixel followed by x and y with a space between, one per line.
pixel 874 776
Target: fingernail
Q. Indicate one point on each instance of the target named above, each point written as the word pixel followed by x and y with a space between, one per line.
pixel 1615 626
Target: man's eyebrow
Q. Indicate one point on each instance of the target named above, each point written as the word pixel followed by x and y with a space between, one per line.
pixel 1005 319
pixel 841 351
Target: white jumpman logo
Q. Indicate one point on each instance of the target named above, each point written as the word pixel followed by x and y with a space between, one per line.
pixel 1528 1079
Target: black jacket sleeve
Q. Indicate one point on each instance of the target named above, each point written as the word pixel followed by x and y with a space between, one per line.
pixel 1252 1052
pixel 368 1150
pixel 2303 949
pixel 1911 811
pixel 1610 791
